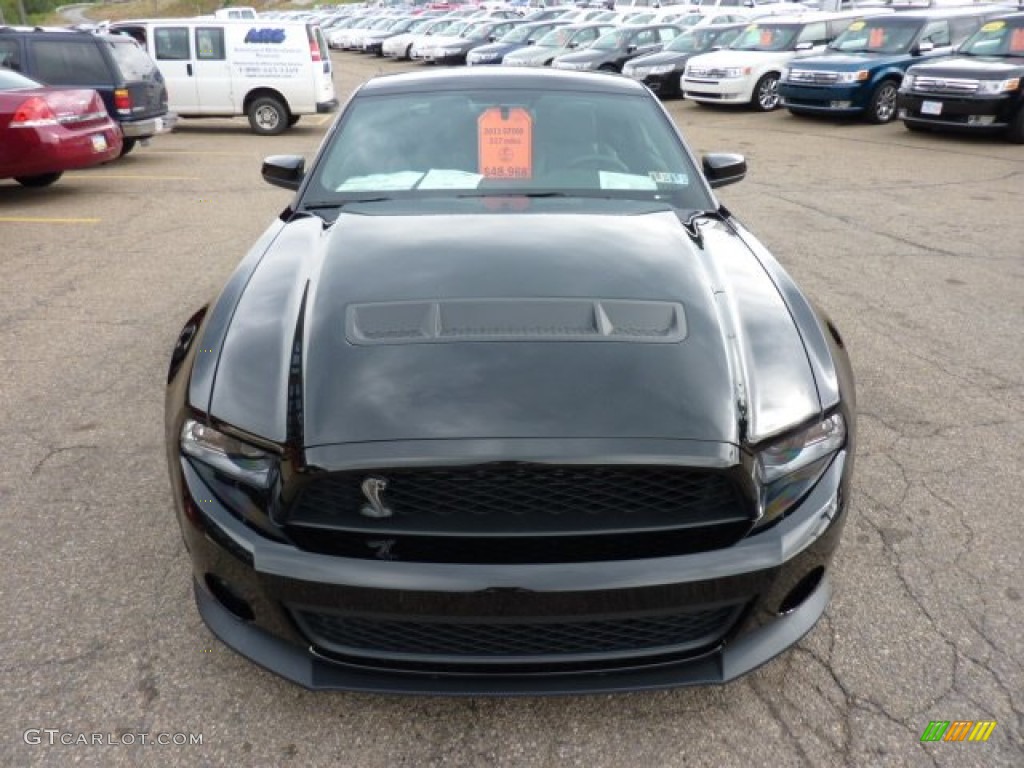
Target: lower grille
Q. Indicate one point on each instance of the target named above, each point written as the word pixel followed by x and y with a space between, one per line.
pixel 504 641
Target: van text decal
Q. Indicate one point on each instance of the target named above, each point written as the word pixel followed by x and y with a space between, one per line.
pixel 264 36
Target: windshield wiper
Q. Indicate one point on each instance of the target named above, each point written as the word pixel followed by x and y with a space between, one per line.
pixel 324 206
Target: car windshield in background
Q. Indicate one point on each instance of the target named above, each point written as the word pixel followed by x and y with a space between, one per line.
pixel 456 29
pixel 479 32
pixel 765 37
pixel 438 144
pixel 12 81
pixel 996 38
pixel 557 38
pixel 701 40
pixel 884 35
pixel 522 34
pixel 612 41
pixel 134 63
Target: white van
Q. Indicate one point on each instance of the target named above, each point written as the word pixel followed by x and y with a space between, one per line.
pixel 243 12
pixel 273 72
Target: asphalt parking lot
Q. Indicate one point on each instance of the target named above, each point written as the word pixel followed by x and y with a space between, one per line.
pixel 913 242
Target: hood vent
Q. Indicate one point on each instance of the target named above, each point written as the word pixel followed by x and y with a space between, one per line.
pixel 413 322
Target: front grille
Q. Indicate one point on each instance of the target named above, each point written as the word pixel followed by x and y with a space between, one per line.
pixel 511 512
pixel 499 640
pixel 944 85
pixel 524 498
pixel 812 77
pixel 712 72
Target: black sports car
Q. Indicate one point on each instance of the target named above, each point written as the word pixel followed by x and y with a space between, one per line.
pixel 506 402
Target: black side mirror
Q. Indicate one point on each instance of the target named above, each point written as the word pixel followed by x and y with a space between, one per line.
pixel 284 170
pixel 721 168
pixel 630 49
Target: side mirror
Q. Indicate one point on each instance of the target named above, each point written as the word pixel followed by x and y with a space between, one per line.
pixel 631 49
pixel 492 38
pixel 284 170
pixel 721 168
pixel 806 45
pixel 926 46
pixel 573 45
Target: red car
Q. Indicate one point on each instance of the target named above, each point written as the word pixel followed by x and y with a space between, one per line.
pixel 45 131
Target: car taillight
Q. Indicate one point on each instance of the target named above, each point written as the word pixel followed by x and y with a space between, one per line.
pixel 123 100
pixel 314 50
pixel 33 112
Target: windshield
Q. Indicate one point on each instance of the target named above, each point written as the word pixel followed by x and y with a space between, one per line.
pixel 480 31
pixel 501 142
pixel 557 38
pixel 766 37
pixel 612 41
pixel 881 35
pixel 12 81
pixel 996 38
pixel 523 33
pixel 440 26
pixel 702 39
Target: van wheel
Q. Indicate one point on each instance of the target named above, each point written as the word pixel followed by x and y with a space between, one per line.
pixel 882 108
pixel 127 145
pixel 766 93
pixel 42 180
pixel 293 119
pixel 267 116
pixel 1015 132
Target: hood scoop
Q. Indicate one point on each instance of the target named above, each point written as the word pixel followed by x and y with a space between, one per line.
pixel 461 320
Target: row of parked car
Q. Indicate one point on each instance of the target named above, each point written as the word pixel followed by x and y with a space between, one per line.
pixel 939 67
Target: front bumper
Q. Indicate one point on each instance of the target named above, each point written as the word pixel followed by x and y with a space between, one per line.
pixel 731 91
pixel 666 84
pixel 153 126
pixel 277 583
pixel 830 100
pixel 957 113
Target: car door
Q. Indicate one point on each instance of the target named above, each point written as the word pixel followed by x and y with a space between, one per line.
pixel 212 73
pixel 172 51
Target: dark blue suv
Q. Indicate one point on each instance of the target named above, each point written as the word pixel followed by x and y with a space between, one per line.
pixel 861 71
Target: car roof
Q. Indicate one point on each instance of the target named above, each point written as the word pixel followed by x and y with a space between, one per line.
pixel 943 12
pixel 501 77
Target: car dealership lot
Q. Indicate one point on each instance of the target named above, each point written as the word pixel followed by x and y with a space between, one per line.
pixel 912 243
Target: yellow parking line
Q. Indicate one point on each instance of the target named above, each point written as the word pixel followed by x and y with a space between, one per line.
pixel 323 120
pixel 198 152
pixel 44 220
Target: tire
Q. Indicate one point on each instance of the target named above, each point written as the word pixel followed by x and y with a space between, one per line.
pixel 42 180
pixel 293 119
pixel 267 116
pixel 1015 132
pixel 882 107
pixel 127 145
pixel 766 93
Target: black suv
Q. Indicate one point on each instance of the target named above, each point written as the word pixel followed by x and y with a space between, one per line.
pixel 981 89
pixel 115 65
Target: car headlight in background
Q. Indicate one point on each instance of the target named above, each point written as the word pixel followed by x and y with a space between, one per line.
pixel 730 72
pixel 788 468
pixel 226 454
pixel 853 77
pixel 998 86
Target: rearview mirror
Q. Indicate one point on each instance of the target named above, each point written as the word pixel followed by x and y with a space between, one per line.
pixel 721 168
pixel 284 171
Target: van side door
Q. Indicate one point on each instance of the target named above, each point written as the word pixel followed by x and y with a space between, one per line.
pixel 172 51
pixel 212 73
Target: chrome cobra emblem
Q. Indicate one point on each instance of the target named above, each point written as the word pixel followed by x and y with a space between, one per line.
pixel 373 487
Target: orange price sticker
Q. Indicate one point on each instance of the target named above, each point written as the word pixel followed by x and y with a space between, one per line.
pixel 505 140
pixel 876 38
pixel 1017 40
pixel 766 37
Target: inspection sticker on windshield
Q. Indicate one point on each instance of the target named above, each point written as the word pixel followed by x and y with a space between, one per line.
pixel 993 26
pixel 857 26
pixel 505 139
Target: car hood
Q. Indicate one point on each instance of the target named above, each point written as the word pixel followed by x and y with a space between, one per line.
pixel 730 58
pixel 848 62
pixel 980 67
pixel 534 53
pixel 498 48
pixel 338 329
pixel 441 40
pixel 590 54
pixel 661 57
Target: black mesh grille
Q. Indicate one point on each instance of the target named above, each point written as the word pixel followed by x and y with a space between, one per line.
pixel 519 499
pixel 499 640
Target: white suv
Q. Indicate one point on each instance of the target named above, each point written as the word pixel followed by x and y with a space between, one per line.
pixel 747 72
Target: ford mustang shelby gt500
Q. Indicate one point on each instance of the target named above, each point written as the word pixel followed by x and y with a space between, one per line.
pixel 506 402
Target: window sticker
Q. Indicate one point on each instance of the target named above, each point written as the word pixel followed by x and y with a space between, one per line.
pixel 766 37
pixel 1017 40
pixel 505 141
pixel 381 181
pixel 876 38
pixel 993 26
pixel 613 180
pixel 661 177
pixel 437 178
pixel 857 26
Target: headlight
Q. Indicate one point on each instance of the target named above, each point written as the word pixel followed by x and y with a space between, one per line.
pixel 787 469
pixel 853 77
pixel 226 454
pixel 662 69
pixel 736 72
pixel 998 86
